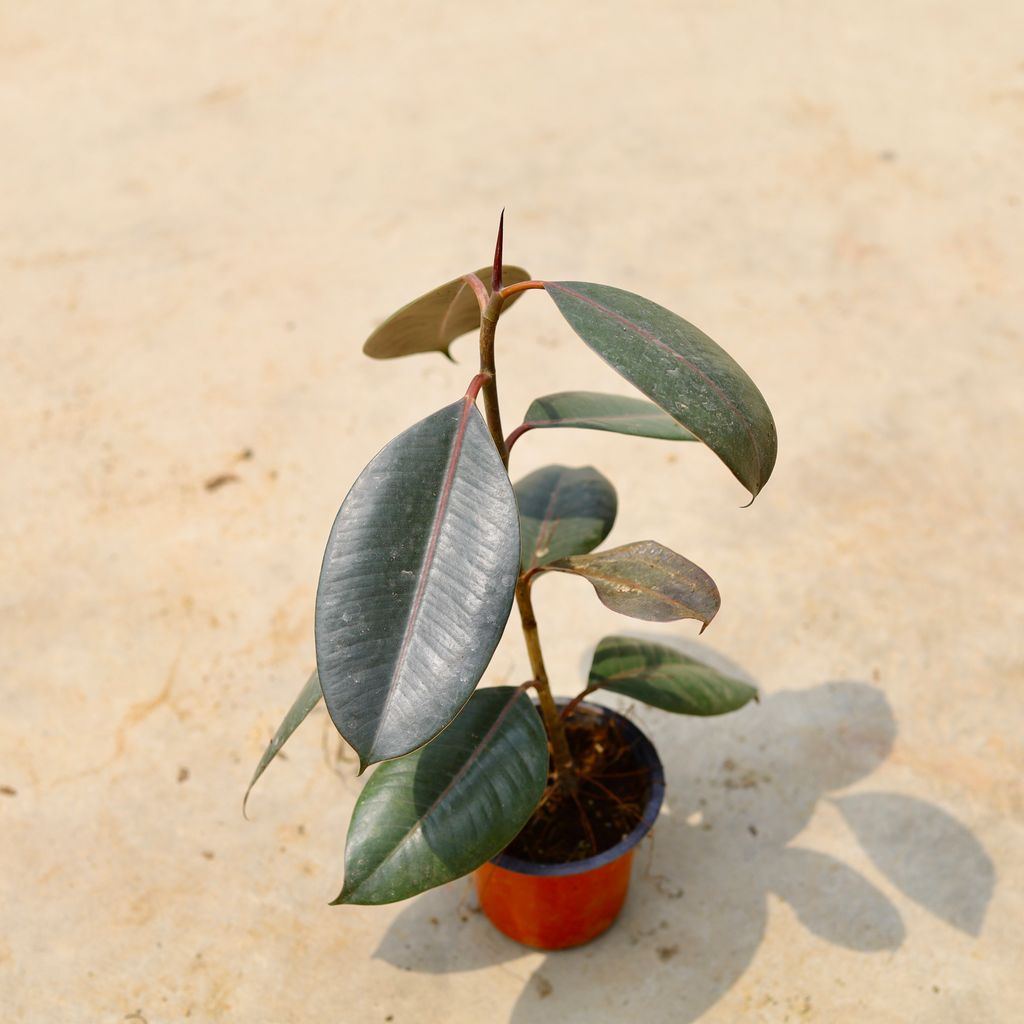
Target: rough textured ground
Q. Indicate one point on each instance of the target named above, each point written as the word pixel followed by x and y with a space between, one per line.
pixel 205 209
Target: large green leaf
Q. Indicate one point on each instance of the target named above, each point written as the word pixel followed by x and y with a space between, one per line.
pixel 665 678
pixel 678 366
pixel 308 698
pixel 647 581
pixel 433 321
pixel 590 410
pixel 563 511
pixel 416 585
pixel 443 811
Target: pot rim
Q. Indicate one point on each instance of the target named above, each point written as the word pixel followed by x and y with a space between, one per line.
pixel 648 757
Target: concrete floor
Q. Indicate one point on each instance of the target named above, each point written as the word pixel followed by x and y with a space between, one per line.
pixel 206 208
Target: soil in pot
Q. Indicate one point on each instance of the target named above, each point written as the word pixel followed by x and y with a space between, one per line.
pixel 564 879
pixel 614 787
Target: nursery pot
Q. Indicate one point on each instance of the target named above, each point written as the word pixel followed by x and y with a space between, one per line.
pixel 554 906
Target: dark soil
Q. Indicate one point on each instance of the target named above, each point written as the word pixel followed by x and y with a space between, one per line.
pixel 612 793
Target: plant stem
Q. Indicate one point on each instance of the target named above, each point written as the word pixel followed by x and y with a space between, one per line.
pixel 571 706
pixel 564 767
pixel 516 434
pixel 523 286
pixel 488 325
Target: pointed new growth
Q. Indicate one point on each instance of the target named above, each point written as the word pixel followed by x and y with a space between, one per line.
pixel 496 269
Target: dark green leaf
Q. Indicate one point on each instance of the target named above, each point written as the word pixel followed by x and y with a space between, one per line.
pixel 678 366
pixel 647 581
pixel 433 321
pixel 563 512
pixel 308 698
pixel 416 585
pixel 665 678
pixel 590 410
pixel 443 811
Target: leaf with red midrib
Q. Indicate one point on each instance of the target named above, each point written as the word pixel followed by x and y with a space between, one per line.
pixel 590 410
pixel 416 585
pixel 646 580
pixel 433 321
pixel 563 511
pixel 679 368
pixel 450 806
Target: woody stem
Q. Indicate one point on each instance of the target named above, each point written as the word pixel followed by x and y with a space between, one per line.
pixel 564 768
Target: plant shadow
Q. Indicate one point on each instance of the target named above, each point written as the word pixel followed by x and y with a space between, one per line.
pixel 740 789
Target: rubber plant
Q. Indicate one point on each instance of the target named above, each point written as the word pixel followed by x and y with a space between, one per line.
pixel 434 545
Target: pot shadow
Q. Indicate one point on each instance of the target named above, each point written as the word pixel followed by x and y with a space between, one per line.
pixel 740 789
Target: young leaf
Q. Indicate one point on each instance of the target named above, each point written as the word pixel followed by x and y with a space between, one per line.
pixel 678 366
pixel 416 585
pixel 308 698
pixel 433 321
pixel 590 410
pixel 647 581
pixel 443 811
pixel 665 678
pixel 563 512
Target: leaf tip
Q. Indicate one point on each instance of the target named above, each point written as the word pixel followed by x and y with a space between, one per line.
pixel 718 605
pixel 753 496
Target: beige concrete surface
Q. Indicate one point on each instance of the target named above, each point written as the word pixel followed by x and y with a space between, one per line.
pixel 204 209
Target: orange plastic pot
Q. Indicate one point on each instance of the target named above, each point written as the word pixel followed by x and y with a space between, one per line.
pixel 555 906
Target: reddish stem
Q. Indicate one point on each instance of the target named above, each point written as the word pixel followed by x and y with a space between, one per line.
pixel 523 286
pixel 476 384
pixel 479 290
pixel 571 706
pixel 516 434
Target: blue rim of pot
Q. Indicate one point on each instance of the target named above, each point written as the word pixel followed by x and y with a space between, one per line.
pixel 648 758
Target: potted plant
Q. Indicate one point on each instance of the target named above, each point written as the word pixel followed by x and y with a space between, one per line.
pixel 431 548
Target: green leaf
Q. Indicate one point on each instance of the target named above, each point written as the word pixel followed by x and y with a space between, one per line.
pixel 665 678
pixel 416 585
pixel 433 321
pixel 308 698
pixel 647 581
pixel 590 410
pixel 678 366
pixel 563 511
pixel 441 812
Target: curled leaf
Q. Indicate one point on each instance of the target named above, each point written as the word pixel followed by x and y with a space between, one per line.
pixel 308 698
pixel 590 410
pixel 433 321
pixel 563 511
pixel 646 580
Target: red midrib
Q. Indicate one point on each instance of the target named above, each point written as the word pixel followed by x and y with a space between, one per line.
pixel 672 352
pixel 463 771
pixel 590 573
pixel 546 525
pixel 428 559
